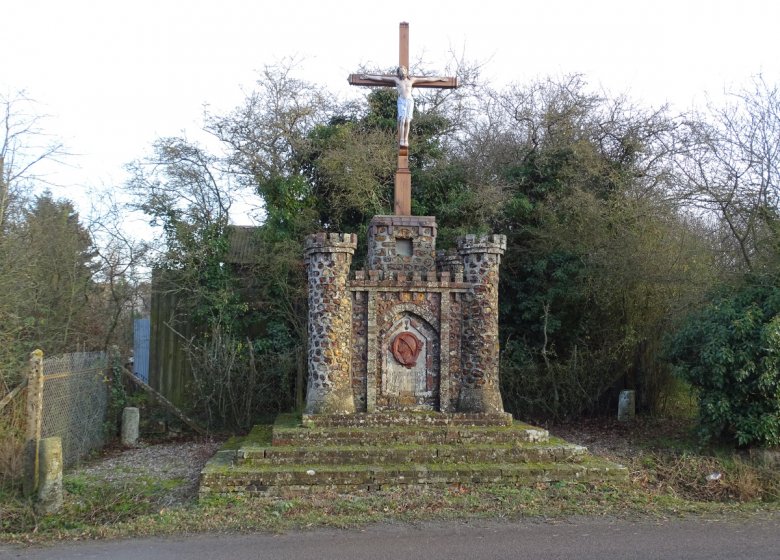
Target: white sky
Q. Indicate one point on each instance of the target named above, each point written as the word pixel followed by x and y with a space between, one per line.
pixel 116 75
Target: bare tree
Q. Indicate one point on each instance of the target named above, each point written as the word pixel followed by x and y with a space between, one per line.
pixel 23 146
pixel 731 170
pixel 120 271
pixel 268 133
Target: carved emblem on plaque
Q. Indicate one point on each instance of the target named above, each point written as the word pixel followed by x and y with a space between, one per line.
pixel 406 348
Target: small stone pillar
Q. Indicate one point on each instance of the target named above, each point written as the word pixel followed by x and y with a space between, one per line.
pixel 626 406
pixel 480 391
pixel 328 258
pixel 130 419
pixel 49 497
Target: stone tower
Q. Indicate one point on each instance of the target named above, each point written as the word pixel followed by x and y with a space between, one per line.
pixel 481 257
pixel 328 258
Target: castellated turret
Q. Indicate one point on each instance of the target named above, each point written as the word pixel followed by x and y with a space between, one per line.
pixel 328 258
pixel 480 386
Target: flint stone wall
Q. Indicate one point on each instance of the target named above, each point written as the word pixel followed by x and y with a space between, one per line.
pixel 480 390
pixel 402 244
pixel 448 301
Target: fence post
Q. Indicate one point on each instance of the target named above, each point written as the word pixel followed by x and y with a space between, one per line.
pixel 49 498
pixel 34 421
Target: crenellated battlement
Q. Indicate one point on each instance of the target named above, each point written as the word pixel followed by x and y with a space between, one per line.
pixel 428 280
pixel 492 244
pixel 330 243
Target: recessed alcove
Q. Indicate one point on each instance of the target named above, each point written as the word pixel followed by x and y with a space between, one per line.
pixel 403 247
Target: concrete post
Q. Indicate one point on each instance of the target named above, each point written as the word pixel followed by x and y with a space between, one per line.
pixel 130 419
pixel 49 498
pixel 627 406
pixel 34 419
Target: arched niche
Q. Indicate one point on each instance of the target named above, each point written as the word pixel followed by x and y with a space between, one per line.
pixel 409 370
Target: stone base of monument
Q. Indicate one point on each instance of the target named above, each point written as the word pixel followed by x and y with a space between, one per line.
pixel 372 452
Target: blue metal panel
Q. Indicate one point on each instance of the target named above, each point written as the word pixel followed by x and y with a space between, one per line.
pixel 141 328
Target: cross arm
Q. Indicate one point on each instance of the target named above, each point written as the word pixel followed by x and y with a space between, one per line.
pixel 363 80
pixel 442 83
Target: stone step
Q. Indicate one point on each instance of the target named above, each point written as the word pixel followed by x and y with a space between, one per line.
pixel 408 419
pixel 291 459
pixel 558 451
pixel 222 476
pixel 286 434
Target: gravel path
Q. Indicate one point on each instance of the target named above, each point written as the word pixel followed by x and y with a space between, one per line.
pixel 179 460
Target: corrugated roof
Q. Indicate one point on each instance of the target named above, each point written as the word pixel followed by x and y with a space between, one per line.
pixel 244 246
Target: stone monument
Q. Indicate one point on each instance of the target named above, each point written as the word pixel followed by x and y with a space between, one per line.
pixel 417 330
pixel 403 366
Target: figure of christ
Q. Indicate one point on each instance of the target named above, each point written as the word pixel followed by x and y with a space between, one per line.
pixel 404 84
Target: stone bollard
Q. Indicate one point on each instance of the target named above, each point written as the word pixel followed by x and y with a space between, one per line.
pixel 130 419
pixel 626 406
pixel 49 497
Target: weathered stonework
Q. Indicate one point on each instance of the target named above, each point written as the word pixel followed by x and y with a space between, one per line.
pixel 403 385
pixel 444 306
pixel 328 258
pixel 480 387
pixel 362 453
pixel 402 243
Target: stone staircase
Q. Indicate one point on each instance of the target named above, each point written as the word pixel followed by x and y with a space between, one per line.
pixel 370 452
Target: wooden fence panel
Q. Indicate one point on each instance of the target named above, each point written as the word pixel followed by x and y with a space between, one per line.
pixel 169 369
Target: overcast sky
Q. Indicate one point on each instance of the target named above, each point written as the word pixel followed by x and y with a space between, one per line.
pixel 115 75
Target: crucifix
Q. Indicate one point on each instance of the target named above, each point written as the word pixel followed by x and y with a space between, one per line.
pixel 404 83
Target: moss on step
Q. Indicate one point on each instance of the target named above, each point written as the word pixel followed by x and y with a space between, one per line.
pixel 289 457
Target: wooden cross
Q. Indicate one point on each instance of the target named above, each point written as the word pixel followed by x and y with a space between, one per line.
pixel 403 60
pixel 403 178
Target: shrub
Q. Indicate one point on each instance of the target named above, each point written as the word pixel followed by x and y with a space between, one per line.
pixel 12 424
pixel 730 352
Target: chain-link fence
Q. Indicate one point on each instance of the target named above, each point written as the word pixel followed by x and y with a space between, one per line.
pixel 75 401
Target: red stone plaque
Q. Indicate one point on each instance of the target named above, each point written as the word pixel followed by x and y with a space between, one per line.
pixel 406 348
